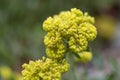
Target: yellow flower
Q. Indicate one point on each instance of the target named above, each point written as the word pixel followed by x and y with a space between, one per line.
pixel 45 69
pixel 84 57
pixel 57 52
pixel 88 30
pixel 47 24
pixel 106 27
pixel 5 72
pixel 78 43
pixel 73 27
pixel 52 38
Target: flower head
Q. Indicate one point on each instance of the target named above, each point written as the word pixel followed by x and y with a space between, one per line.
pixel 73 27
pixel 45 69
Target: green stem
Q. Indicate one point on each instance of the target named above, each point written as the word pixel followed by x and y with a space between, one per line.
pixel 85 72
pixel 72 67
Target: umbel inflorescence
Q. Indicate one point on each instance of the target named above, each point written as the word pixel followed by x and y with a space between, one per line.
pixel 44 69
pixel 67 31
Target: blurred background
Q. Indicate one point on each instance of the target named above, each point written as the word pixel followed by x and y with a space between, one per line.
pixel 21 36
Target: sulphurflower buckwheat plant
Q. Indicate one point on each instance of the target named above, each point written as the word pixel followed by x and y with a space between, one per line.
pixel 68 32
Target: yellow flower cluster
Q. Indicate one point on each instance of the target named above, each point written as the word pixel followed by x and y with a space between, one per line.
pixel 72 28
pixel 6 73
pixel 44 69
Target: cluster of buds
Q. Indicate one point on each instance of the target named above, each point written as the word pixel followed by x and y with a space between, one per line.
pixel 67 31
pixel 44 69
